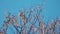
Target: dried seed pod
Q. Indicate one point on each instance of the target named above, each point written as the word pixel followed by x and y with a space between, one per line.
pixel 42 25
pixel 15 22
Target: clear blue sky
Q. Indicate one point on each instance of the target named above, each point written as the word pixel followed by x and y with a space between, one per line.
pixel 52 7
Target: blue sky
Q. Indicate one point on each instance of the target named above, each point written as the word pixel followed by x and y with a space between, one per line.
pixel 52 7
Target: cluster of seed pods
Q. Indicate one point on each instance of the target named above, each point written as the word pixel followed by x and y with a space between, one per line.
pixel 29 21
pixel 40 29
